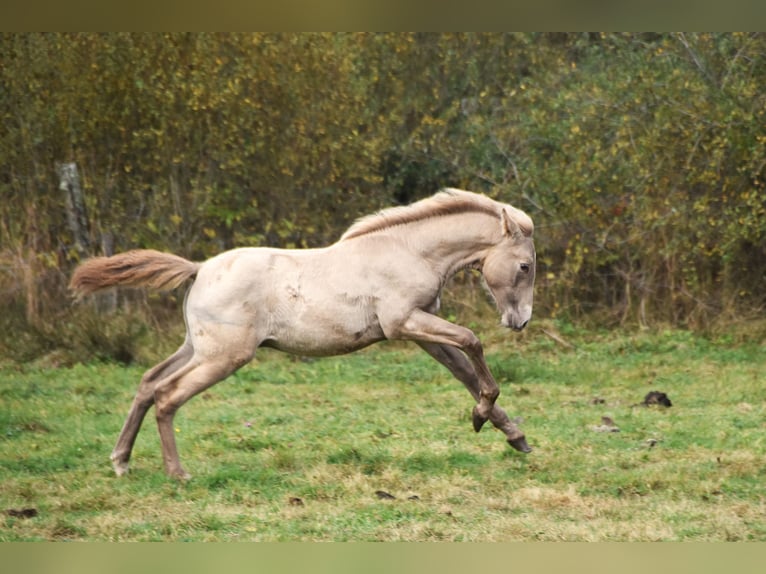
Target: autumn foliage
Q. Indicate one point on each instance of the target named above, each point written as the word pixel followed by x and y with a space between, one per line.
pixel 640 156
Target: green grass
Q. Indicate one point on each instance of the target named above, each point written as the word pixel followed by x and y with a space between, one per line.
pixel 332 432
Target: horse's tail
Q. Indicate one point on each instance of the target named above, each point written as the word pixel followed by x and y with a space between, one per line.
pixel 137 268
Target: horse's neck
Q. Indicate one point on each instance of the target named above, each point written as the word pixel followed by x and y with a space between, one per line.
pixel 453 243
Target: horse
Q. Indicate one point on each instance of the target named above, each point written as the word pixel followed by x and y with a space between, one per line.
pixel 381 280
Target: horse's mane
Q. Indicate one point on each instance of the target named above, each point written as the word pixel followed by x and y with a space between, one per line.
pixel 448 201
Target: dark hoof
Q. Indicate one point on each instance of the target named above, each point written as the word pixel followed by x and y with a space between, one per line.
pixel 520 444
pixel 478 420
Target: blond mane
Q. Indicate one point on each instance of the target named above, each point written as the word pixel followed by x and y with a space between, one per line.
pixel 448 201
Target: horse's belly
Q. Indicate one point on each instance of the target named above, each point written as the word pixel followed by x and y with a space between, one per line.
pixel 324 342
pixel 323 331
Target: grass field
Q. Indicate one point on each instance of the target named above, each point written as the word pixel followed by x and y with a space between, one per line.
pixel 288 449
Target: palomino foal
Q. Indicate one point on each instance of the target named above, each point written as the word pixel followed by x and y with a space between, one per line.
pixel 381 280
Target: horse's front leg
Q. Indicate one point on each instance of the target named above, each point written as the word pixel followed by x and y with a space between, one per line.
pixel 462 370
pixel 427 328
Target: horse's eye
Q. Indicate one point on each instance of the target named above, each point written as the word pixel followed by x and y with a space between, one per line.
pixel 524 267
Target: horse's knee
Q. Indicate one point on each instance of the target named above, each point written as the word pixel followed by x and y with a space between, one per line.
pixel 163 412
pixel 164 403
pixel 491 393
pixel 472 345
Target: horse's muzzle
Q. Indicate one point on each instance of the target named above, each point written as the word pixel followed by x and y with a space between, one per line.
pixel 515 323
pixel 520 327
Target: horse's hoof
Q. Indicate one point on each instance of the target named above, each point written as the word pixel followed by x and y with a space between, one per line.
pixel 178 474
pixel 120 468
pixel 478 420
pixel 181 476
pixel 520 444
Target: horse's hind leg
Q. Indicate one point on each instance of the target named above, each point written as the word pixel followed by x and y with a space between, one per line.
pixel 143 400
pixel 170 394
pixel 462 369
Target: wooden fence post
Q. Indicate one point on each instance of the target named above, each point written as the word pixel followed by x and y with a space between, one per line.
pixel 77 220
pixel 77 217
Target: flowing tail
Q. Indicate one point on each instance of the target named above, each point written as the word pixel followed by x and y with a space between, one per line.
pixel 138 268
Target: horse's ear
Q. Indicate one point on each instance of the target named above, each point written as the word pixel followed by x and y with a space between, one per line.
pixel 510 227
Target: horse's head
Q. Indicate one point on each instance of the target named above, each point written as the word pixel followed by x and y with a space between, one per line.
pixel 509 271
